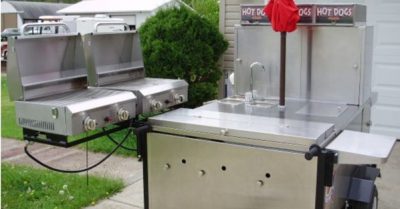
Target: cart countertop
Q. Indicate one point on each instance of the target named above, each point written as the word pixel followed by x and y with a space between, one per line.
pixel 244 128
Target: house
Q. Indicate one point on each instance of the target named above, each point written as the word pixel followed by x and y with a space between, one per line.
pixel 15 13
pixel 385 17
pixel 134 12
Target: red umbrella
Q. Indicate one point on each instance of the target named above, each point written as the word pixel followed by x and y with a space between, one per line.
pixel 284 16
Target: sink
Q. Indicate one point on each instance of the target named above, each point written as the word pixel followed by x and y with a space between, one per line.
pixel 240 97
pixel 263 103
pixel 238 100
pixel 231 101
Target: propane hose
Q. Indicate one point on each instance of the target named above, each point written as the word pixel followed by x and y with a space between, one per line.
pixel 116 142
pixel 79 170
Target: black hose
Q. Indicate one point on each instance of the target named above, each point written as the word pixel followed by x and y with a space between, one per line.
pixel 80 170
pixel 115 142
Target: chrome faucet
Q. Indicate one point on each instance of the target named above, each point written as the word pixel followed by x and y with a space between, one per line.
pixel 254 65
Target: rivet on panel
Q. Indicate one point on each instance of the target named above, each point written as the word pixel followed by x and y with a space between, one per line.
pixel 224 132
pixel 202 172
pixel 167 166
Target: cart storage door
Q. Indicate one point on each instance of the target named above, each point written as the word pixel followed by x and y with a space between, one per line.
pixel 197 174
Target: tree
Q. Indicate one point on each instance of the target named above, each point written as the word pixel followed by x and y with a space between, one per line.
pixel 178 43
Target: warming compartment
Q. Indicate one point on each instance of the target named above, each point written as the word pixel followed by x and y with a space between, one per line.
pixel 115 62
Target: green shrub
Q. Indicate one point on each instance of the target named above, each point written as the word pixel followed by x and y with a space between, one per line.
pixel 209 9
pixel 177 43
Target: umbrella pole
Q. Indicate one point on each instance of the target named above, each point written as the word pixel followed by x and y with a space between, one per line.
pixel 282 83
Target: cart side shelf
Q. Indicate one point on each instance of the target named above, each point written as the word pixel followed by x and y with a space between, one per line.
pixel 362 148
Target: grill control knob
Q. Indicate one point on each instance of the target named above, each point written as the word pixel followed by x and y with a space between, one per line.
pixel 123 114
pixel 156 105
pixel 89 124
pixel 179 98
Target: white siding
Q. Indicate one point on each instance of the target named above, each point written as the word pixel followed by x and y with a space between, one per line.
pixel 384 15
pixel 230 15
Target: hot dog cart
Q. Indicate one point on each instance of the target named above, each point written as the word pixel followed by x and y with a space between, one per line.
pixel 243 151
pixel 246 152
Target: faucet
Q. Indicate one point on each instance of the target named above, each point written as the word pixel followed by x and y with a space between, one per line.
pixel 254 65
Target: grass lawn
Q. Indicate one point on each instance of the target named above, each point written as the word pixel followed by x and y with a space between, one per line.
pixel 26 187
pixel 10 129
pixel 104 145
pixel 8 122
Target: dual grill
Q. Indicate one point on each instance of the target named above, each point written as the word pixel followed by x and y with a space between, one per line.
pixel 65 85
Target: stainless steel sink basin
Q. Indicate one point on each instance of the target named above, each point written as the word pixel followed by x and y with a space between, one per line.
pixel 263 103
pixel 238 100
pixel 231 101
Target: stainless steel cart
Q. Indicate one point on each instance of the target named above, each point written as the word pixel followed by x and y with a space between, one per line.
pixel 245 152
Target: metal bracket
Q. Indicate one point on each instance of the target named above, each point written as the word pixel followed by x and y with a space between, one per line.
pixel 326 161
pixel 140 131
pixel 62 141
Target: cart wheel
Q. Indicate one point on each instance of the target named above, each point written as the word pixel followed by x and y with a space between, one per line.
pixel 372 205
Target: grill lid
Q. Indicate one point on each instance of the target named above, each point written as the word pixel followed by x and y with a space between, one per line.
pixel 45 65
pixel 113 57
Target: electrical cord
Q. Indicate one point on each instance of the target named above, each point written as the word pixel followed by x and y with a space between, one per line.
pixel 80 170
pixel 115 142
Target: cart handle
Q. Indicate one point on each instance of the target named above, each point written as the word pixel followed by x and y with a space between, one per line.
pixel 314 150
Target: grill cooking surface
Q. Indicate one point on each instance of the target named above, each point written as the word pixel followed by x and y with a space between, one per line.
pixel 148 86
pixel 75 97
pixel 142 83
pixel 119 67
pixel 53 77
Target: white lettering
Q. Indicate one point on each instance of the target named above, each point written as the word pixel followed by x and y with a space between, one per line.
pixel 248 11
pixel 305 12
pixel 324 11
pixel 260 12
pixel 341 12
